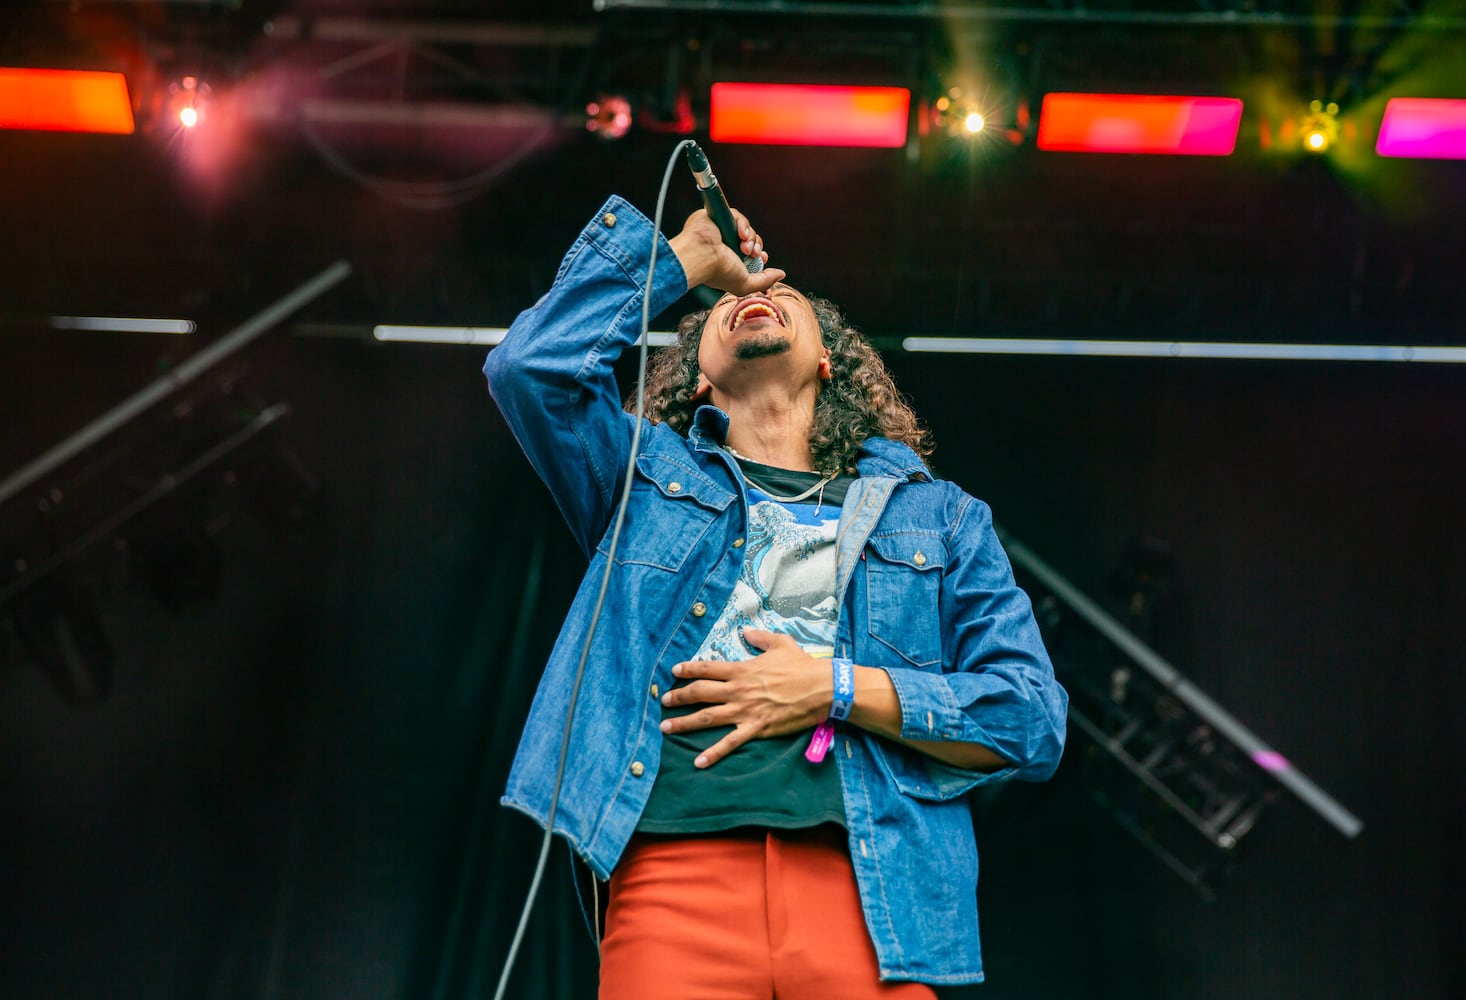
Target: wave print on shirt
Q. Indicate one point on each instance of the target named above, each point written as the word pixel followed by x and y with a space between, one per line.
pixel 787 583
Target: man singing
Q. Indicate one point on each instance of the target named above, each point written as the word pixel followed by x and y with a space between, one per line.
pixel 809 650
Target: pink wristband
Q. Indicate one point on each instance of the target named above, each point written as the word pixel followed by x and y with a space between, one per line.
pixel 819 743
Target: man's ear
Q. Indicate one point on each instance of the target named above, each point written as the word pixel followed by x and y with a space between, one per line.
pixel 703 387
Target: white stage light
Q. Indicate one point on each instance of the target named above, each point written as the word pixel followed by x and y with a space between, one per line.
pixel 1186 349
pixel 472 336
pixel 122 324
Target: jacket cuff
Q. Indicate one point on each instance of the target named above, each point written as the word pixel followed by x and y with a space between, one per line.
pixel 929 710
pixel 619 232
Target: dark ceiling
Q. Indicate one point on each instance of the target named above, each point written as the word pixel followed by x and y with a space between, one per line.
pixel 440 148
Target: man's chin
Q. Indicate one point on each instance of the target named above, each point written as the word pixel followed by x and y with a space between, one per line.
pixel 761 345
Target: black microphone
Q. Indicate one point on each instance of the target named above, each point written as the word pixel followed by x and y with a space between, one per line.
pixel 716 204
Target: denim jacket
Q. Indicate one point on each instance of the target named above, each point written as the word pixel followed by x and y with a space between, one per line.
pixel 925 592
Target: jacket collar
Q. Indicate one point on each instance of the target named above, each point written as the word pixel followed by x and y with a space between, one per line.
pixel 878 456
pixel 709 428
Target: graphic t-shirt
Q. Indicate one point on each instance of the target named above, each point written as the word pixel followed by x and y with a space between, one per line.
pixel 787 585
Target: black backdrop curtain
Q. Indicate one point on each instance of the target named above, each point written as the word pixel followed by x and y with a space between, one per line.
pixel 292 791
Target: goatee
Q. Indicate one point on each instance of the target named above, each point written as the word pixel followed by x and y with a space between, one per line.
pixel 761 346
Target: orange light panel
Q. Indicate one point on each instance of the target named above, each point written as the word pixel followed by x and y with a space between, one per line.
pixel 1139 123
pixel 792 115
pixel 65 100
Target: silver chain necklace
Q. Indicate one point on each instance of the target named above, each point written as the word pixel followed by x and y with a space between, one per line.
pixel 817 487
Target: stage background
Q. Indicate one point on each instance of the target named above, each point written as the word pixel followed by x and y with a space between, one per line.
pixel 292 789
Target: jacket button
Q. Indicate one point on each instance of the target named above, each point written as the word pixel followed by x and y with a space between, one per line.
pixel 699 609
pixel 637 769
pixel 919 559
pixel 738 543
pixel 655 691
pixel 674 487
pixel 609 219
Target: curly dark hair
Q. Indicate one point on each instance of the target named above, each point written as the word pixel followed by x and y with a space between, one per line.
pixel 858 401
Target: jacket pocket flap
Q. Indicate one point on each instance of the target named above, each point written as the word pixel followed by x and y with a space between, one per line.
pixel 920 550
pixel 678 480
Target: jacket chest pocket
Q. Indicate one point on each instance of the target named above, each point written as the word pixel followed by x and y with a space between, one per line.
pixel 903 585
pixel 670 509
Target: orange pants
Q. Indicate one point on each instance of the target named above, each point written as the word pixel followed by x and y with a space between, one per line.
pixel 751 915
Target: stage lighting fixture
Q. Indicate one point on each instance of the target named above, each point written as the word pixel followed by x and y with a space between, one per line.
pixel 64 100
pixel 473 336
pixel 608 117
pixel 63 634
pixel 1187 349
pixel 956 113
pixel 1169 764
pixel 1320 127
pixel 124 324
pixel 1424 128
pixel 809 115
pixel 1139 123
pixel 188 98
pixel 181 566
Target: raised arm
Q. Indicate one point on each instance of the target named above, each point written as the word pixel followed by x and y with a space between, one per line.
pixel 552 376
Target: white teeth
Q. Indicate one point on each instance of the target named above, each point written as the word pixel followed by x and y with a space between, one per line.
pixel 751 310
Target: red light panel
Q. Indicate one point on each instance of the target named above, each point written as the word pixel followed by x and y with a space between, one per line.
pixel 792 115
pixel 64 100
pixel 1139 123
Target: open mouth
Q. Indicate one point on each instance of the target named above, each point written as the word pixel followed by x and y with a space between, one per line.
pixel 751 308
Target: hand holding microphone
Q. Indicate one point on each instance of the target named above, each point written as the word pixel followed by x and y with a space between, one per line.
pixel 715 203
pixel 698 246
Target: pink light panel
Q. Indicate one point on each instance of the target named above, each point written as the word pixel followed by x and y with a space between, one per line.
pixel 1424 128
pixel 792 115
pixel 1139 123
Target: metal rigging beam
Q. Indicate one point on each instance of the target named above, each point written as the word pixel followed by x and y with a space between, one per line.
pixel 1224 14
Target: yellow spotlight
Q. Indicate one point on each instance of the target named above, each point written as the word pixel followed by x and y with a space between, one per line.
pixel 1320 127
pixel 957 113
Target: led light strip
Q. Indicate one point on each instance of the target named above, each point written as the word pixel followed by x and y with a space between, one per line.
pixel 1186 349
pixel 486 336
pixel 123 324
pixel 472 336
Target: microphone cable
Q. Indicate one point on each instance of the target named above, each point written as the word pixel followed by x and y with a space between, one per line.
pixel 646 305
